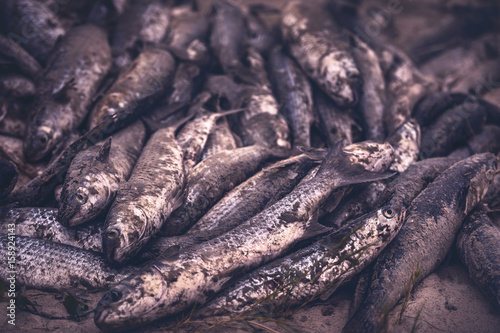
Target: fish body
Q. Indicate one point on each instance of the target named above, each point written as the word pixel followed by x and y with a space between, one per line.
pixel 147 199
pixel 42 223
pixel 96 173
pixel 313 271
pixel 8 177
pixel 431 224
pixel 221 138
pixel 322 49
pixel 406 143
pixel 42 264
pixel 13 52
pixel 16 86
pixel 142 22
pixel 214 176
pixel 453 127
pixel 477 247
pixel 372 102
pixel 137 87
pixel 405 86
pixel 170 286
pixel 32 25
pixel 434 104
pixel 75 70
pixel 227 39
pixel 295 96
pixel 335 124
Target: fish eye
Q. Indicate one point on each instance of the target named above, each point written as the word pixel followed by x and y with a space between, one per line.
pixel 82 198
pixel 389 212
pixel 43 139
pixel 115 295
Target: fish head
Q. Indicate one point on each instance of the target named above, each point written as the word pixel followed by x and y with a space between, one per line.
pixel 39 142
pixel 111 104
pixel 480 178
pixel 373 156
pixel 389 221
pixel 135 301
pixel 342 77
pixel 125 232
pixel 72 198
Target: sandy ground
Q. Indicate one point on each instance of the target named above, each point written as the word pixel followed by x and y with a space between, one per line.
pixel 446 301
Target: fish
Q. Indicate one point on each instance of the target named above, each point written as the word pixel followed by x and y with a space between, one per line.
pixel 406 143
pixel 488 140
pixel 143 203
pixel 210 179
pixel 143 22
pixel 323 50
pixel 169 286
pixel 137 86
pixel 187 36
pixel 15 54
pixel 32 25
pixel 221 138
pixel 405 86
pixel 42 264
pixel 76 68
pixel 95 175
pixel 294 94
pixel 407 185
pixel 452 128
pixel 264 189
pixel 434 104
pixel 312 272
pixel 228 39
pixel 243 202
pixel 372 100
pixel 17 86
pixel 477 247
pixel 184 84
pixel 193 136
pixel 8 178
pixel 335 124
pixel 432 222
pixel 42 223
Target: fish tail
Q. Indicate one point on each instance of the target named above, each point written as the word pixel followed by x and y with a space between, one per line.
pixel 338 165
pixel 363 321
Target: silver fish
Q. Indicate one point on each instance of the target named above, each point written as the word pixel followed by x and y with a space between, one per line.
pixel 76 68
pixel 322 49
pixel 168 287
pixel 477 247
pixel 147 199
pixel 42 223
pixel 96 173
pixel 45 265
pixel 315 271
pixel 137 87
pixel 406 143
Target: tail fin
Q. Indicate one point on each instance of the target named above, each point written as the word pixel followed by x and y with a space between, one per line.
pixel 363 321
pixel 338 166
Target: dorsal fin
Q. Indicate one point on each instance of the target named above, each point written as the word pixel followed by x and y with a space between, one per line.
pixel 60 92
pixel 103 154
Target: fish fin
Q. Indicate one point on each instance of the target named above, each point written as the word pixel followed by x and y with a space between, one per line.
pixel 366 320
pixel 333 200
pixel 218 115
pixel 60 92
pixel 104 151
pixel 317 154
pixel 338 165
pixel 315 228
pixel 361 290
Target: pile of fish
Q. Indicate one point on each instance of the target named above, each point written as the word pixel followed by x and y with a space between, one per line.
pixel 240 159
